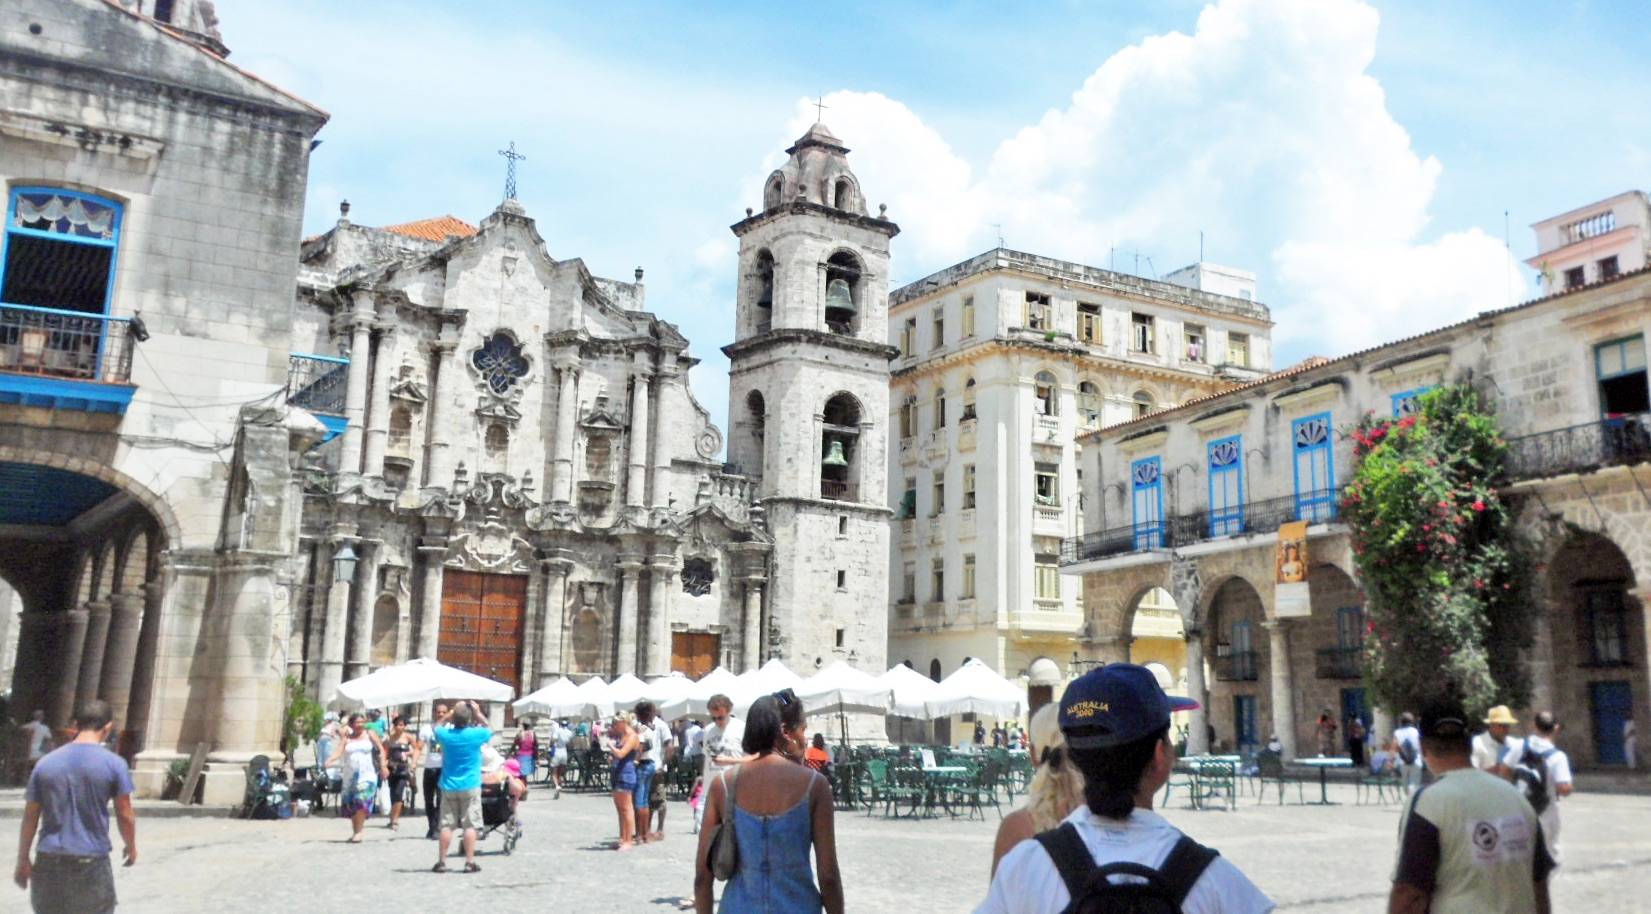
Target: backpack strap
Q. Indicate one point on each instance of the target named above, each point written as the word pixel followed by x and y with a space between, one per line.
pixel 1071 856
pixel 1181 870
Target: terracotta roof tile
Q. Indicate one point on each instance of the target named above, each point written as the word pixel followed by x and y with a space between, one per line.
pixel 439 228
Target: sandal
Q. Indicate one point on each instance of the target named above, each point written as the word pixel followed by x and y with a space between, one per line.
pixel 439 868
pixel 472 868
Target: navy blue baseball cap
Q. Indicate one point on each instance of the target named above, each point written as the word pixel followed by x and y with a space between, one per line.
pixel 1116 704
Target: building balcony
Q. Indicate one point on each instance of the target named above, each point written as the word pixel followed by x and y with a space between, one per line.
pixel 1048 520
pixel 1617 441
pixel 1250 518
pixel 1339 662
pixel 1237 666
pixel 908 531
pixel 66 359
pixel 1046 616
pixel 316 383
pixel 966 432
pixel 837 490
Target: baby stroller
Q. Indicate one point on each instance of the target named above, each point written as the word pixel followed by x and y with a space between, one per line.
pixel 497 815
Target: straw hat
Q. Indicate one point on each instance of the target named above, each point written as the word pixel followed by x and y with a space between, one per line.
pixel 1501 715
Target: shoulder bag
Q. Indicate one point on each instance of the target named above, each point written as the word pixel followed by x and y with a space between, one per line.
pixel 723 858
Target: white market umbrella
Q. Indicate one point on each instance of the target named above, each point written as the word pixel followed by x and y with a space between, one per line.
pixel 910 691
pixel 666 689
pixel 595 692
pixel 696 701
pixel 976 689
pixel 770 678
pixel 626 690
pixel 415 682
pixel 561 698
pixel 841 688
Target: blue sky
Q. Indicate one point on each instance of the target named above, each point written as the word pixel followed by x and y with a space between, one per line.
pixel 1357 156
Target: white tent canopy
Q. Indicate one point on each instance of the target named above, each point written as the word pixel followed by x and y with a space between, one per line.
pixel 595 692
pixel 415 682
pixel 666 689
pixel 978 689
pixel 840 687
pixel 910 691
pixel 718 681
pixel 626 691
pixel 770 678
pixel 561 698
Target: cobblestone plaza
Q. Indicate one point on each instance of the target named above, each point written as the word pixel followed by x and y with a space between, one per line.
pixel 1307 858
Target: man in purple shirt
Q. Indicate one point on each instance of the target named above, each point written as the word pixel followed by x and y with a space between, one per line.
pixel 68 806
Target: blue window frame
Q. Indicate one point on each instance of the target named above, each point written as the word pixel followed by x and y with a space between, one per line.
pixel 1350 627
pixel 1243 650
pixel 1620 371
pixel 1147 485
pixel 1315 468
pixel 59 250
pixel 1406 403
pixel 1226 471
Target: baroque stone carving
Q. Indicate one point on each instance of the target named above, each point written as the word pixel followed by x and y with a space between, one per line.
pixel 697 576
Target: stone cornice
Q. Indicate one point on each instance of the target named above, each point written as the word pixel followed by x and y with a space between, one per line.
pixel 994 347
pixel 805 208
pixel 790 335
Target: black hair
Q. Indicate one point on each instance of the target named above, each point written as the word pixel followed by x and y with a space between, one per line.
pixel 819 740
pixel 645 710
pixel 1112 775
pixel 93 715
pixel 1545 722
pixel 767 722
pixel 400 720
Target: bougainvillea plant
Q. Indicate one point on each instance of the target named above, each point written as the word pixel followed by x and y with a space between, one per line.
pixel 1445 570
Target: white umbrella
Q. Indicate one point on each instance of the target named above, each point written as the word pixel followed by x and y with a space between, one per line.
pixel 976 688
pixel 770 678
pixel 415 682
pixel 718 681
pixel 910 691
pixel 666 689
pixel 559 699
pixel 626 690
pixel 595 692
pixel 840 687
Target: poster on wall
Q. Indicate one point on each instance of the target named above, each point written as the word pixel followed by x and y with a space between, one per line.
pixel 1290 595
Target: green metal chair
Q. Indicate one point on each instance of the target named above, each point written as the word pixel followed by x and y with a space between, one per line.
pixel 1270 766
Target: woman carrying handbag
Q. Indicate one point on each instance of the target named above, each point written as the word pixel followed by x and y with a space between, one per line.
pixel 773 811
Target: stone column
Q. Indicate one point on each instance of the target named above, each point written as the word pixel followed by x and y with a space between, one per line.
pixel 432 552
pixel 567 414
pixel 550 619
pixel 637 478
pixel 1541 662
pixel 1198 727
pixel 91 656
pixel 378 403
pixel 73 642
pixel 1284 710
pixel 355 388
pixel 142 696
pixel 121 656
pixel 332 636
pixel 657 653
pixel 361 617
pixel 1381 725
pixel 752 646
pixel 661 461
pixel 438 456
pixel 629 568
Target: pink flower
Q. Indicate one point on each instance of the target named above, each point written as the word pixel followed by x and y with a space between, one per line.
pixel 1478 506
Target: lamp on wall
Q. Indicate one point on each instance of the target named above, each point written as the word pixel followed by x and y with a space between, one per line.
pixel 343 564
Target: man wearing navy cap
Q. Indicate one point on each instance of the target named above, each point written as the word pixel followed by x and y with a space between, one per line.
pixel 1116 722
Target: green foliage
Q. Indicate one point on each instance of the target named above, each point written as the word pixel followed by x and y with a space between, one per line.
pixel 1445 570
pixel 304 717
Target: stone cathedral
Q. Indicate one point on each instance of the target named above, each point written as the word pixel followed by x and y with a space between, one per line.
pixel 518 481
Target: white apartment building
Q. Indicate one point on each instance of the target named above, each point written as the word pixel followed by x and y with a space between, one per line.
pixel 1004 359
pixel 1593 243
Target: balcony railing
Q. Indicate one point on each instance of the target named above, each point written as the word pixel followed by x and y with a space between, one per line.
pixel 835 490
pixel 1617 441
pixel 1239 666
pixel 1339 662
pixel 316 383
pixel 72 345
pixel 1263 516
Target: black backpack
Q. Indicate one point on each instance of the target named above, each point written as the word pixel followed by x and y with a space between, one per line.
pixel 1407 752
pixel 1144 891
pixel 1530 775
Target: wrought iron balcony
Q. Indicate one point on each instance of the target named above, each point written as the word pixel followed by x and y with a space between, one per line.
pixel 1254 517
pixel 316 383
pixel 1239 666
pixel 66 359
pixel 837 490
pixel 1339 662
pixel 1617 441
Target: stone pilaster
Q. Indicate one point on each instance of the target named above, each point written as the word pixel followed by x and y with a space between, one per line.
pixel 91 656
pixel 661 461
pixel 378 402
pixel 361 613
pixel 74 623
pixel 332 635
pixel 629 571
pixel 567 414
pixel 432 552
pixel 121 655
pixel 551 617
pixel 438 457
pixel 1284 706
pixel 657 653
pixel 1198 727
pixel 636 479
pixel 751 646
pixel 355 386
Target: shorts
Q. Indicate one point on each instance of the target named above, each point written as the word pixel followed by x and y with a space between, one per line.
pixel 656 795
pixel 624 777
pixel 525 763
pixel 642 796
pixel 64 884
pixel 559 757
pixel 462 809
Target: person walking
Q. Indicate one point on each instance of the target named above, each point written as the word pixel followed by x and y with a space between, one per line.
pixel 1496 742
pixel 401 748
pixel 461 734
pixel 657 742
pixel 625 747
pixel 1326 729
pixel 431 774
pixel 526 751
pixel 693 744
pixel 1549 775
pixel 66 806
pixel 1409 742
pixel 1356 735
pixel 722 744
pixel 560 738
pixel 778 811
pixel 1055 792
pixel 1468 842
pixel 360 755
pixel 38 737
pixel 1116 721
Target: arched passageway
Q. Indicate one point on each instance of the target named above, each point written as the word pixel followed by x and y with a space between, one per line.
pixel 1239 655
pixel 1597 626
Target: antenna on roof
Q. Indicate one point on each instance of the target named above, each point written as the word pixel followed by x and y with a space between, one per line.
pixel 1507 244
pixel 1200 245
pixel 998 227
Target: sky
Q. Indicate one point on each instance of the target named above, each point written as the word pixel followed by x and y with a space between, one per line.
pixel 1363 158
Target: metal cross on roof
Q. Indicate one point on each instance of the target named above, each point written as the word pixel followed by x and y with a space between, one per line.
pixel 511 158
pixel 819 108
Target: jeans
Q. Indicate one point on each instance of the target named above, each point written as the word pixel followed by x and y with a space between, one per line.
pixel 63 884
pixel 644 785
pixel 432 797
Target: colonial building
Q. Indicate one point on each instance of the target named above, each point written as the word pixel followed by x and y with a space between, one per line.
pixel 1191 499
pixel 147 501
pixel 1003 361
pixel 1594 242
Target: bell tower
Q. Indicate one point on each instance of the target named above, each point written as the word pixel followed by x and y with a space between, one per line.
pixel 809 408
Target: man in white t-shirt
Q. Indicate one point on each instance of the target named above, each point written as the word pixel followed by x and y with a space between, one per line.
pixel 1116 722
pixel 691 743
pixel 1497 742
pixel 431 777
pixel 39 736
pixel 1541 744
pixel 721 745
pixel 1409 742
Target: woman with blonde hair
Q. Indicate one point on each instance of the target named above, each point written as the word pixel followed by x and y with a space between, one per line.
pixel 1056 788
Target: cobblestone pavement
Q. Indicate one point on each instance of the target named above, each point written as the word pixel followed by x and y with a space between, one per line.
pixel 1308 858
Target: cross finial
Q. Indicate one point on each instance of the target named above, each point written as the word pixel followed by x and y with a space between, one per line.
pixel 819 108
pixel 511 158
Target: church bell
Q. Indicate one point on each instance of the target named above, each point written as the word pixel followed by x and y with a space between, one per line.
pixel 838 296
pixel 835 456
